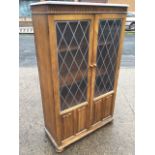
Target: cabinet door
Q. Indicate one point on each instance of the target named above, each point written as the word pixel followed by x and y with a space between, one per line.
pixel 107 41
pixel 71 55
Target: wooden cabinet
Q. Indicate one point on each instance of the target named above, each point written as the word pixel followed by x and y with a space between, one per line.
pixel 78 49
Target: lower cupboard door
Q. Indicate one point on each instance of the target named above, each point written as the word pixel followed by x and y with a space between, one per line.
pixel 102 108
pixel 108 36
pixel 74 122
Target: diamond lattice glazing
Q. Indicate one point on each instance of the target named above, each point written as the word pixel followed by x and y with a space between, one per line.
pixel 72 47
pixel 108 40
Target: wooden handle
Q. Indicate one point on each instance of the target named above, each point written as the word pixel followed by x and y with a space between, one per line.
pixel 94 65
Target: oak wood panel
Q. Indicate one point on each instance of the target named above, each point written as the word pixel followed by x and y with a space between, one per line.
pixel 98 110
pixel 44 68
pixel 82 118
pixel 67 125
pixel 102 107
pixel 108 105
pixel 75 121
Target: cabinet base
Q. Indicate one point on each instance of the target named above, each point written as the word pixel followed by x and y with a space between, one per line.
pixel 78 136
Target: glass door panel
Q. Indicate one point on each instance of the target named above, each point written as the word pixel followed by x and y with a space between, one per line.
pixel 72 49
pixel 108 41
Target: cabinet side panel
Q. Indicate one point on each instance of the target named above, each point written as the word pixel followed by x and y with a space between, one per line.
pixel 44 69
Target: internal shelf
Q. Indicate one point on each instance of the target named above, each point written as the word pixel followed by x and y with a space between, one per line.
pixel 83 74
pixel 74 94
pixel 71 48
pixel 68 77
pixel 74 48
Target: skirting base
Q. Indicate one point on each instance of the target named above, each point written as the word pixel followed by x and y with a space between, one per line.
pixel 74 138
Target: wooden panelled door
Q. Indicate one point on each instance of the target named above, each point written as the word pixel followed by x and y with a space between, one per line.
pixel 106 47
pixel 71 58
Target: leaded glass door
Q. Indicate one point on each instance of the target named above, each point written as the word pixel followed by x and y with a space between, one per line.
pixel 72 48
pixel 107 38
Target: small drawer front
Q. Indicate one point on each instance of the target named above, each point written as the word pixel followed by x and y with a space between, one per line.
pixel 102 108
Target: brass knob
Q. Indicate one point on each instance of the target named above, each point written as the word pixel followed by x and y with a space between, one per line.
pixel 94 65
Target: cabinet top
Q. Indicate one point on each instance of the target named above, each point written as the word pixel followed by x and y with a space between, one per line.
pixel 78 4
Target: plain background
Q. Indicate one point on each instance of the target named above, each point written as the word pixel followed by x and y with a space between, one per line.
pixel 145 77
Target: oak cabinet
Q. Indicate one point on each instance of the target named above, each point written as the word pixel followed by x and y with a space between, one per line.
pixel 78 49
